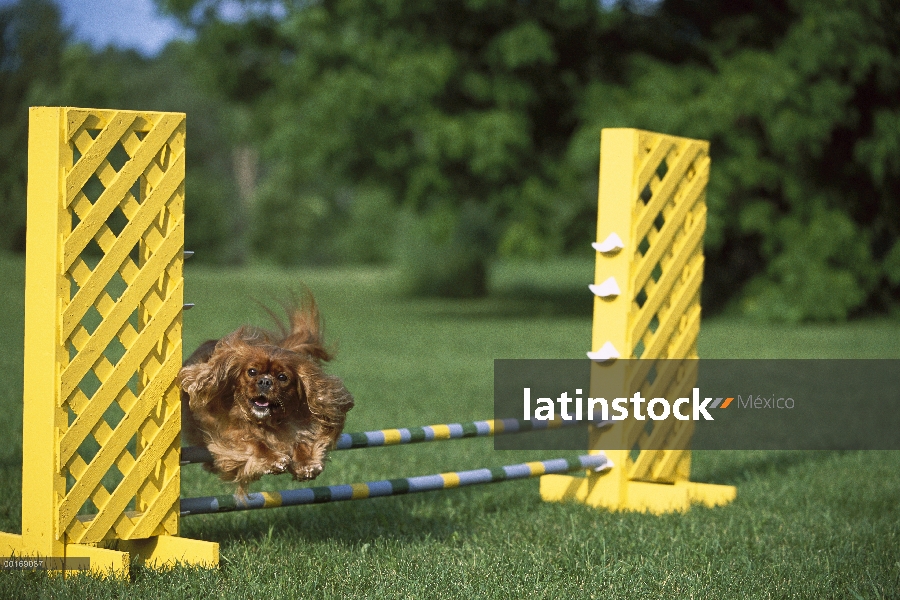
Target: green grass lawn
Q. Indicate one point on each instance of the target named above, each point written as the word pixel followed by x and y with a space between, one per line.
pixel 805 524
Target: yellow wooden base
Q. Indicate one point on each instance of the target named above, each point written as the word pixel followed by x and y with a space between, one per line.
pixel 608 491
pixel 157 552
pixel 165 551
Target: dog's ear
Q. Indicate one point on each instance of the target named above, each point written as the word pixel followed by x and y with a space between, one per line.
pixel 203 381
pixel 327 398
pixel 306 334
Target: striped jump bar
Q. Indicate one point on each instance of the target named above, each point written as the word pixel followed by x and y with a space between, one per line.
pixel 412 435
pixel 389 487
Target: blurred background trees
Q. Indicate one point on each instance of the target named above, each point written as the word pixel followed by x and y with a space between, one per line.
pixel 439 136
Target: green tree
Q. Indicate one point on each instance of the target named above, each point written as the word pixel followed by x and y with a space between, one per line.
pixel 799 100
pixel 437 106
pixel 470 128
pixel 31 45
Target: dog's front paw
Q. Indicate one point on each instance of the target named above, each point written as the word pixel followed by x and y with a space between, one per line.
pixel 279 466
pixel 307 472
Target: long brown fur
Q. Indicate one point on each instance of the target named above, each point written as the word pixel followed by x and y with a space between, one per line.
pixel 261 403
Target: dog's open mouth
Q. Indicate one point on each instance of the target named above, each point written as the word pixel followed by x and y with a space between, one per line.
pixel 261 407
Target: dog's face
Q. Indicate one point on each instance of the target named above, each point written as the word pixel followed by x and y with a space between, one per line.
pixel 248 379
pixel 245 377
pixel 266 384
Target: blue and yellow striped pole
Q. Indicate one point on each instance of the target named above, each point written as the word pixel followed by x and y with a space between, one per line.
pixel 388 487
pixel 414 435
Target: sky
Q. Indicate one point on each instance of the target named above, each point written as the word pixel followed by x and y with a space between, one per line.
pixel 137 24
pixel 123 23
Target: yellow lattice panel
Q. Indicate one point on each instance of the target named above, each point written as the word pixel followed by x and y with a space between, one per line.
pixel 103 340
pixel 649 267
pixel 669 217
pixel 667 264
pixel 121 325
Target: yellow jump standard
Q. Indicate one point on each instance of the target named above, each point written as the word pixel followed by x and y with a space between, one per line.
pixel 103 304
pixel 649 265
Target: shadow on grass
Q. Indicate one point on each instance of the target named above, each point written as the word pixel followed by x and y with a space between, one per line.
pixel 755 463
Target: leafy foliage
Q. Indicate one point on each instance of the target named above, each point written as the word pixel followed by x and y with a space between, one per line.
pixel 373 130
pixel 31 46
pixel 446 252
pixel 805 160
pixel 439 105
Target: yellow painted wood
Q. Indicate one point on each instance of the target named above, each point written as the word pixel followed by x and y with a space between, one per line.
pixel 662 195
pixel 708 494
pixel 100 147
pixel 618 147
pixel 11 544
pixel 76 369
pixel 166 550
pixel 112 196
pixel 150 457
pixel 96 282
pixel 660 148
pixel 46 293
pixel 680 303
pixel 666 275
pixel 114 446
pixel 655 498
pixel 104 562
pixel 675 270
pixel 663 244
pixel 86 419
pixel 114 321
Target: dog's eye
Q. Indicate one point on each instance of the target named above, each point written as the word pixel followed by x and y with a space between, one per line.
pixel 282 377
pixel 251 372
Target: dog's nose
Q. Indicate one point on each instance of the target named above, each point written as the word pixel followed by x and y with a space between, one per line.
pixel 264 383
